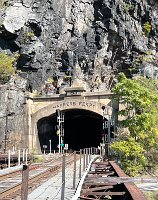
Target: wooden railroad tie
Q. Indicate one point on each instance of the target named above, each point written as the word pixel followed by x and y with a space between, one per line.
pixel 84 196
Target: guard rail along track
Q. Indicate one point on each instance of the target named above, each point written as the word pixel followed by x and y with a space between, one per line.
pixel 11 172
pixel 13 160
pixel 106 180
pixel 46 170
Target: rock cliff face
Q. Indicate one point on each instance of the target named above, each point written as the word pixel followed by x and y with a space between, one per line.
pixel 12 116
pixel 90 40
pixel 80 42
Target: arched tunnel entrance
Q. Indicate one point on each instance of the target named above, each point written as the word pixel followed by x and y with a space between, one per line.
pixel 82 129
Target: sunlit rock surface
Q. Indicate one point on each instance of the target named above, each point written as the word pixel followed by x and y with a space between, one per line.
pixel 100 37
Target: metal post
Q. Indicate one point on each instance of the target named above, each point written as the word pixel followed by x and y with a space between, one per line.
pixel 61 142
pixel 101 150
pixel 13 150
pixel 24 186
pixel 5 139
pixel 18 157
pixel 63 178
pixel 62 132
pixel 104 140
pixel 106 148
pixel 109 138
pixel 59 139
pixel 50 146
pixel 23 155
pixel 9 158
pixel 26 156
pixel 86 157
pixel 83 159
pixel 6 121
pixel 60 120
pixel 114 124
pixel 80 163
pixel 74 174
pixel 59 124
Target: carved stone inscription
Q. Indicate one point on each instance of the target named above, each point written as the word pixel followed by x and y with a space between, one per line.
pixel 76 104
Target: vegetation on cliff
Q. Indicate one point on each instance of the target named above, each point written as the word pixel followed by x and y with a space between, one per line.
pixel 6 67
pixel 4 3
pixel 137 148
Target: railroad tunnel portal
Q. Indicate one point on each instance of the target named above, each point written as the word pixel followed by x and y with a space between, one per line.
pixel 83 120
pixel 82 129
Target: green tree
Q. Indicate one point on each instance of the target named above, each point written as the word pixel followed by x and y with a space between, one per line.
pixel 6 66
pixel 140 99
pixel 131 155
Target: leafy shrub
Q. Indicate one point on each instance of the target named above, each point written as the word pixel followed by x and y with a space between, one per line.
pixel 131 155
pixel 127 7
pixel 147 28
pixel 28 36
pixel 6 66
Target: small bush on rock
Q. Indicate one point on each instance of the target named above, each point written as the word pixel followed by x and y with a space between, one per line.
pixel 6 67
pixel 147 28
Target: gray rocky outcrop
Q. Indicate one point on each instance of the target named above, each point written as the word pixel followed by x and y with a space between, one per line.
pixel 100 37
pixel 15 17
pixel 12 115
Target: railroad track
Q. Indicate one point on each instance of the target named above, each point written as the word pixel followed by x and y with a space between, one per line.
pixel 11 172
pixel 106 180
pixel 10 187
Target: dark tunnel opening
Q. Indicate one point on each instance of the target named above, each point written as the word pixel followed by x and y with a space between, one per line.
pixel 82 129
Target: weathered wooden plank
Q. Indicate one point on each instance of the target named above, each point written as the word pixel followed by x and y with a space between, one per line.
pixel 96 189
pixel 88 198
pixel 100 175
pixel 98 184
pixel 105 193
pixel 105 167
pixel 119 179
pixel 101 163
